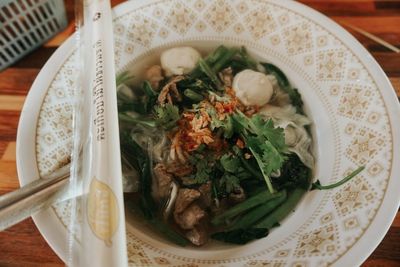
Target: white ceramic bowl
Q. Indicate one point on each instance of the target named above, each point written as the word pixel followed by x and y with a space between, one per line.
pixel 347 95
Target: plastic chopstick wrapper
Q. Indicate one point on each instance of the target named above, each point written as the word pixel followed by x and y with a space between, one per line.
pixel 100 209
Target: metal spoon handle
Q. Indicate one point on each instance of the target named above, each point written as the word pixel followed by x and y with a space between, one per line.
pixel 23 208
pixel 29 199
pixel 33 187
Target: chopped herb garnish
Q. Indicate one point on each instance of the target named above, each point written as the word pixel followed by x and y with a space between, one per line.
pixel 167 116
pixel 266 143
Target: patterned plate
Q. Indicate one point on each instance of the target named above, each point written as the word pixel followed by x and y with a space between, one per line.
pixel 347 95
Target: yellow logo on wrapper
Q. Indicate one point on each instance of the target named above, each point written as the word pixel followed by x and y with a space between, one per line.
pixel 102 211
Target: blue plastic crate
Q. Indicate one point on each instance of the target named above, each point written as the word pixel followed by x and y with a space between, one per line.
pixel 26 24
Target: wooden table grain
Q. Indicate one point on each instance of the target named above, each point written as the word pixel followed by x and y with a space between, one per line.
pixel 22 244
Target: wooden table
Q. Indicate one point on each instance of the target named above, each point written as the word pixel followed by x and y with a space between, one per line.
pixel 22 244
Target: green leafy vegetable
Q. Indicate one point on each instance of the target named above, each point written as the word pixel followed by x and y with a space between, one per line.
pixel 124 77
pixel 282 211
pixel 216 55
pixel 246 59
pixel 266 143
pixel 128 101
pixel 284 84
pixel 249 203
pixel 261 128
pixel 257 213
pixel 167 116
pixel 293 174
pixel 170 234
pixel 140 159
pixel 211 59
pixel 230 163
pixel 233 172
pixel 266 154
pixel 205 68
pixel 192 95
pixel 203 170
pixel 194 84
pixel 225 125
pixel 150 96
pixel 240 236
pixel 138 120
pixel 278 73
pixel 275 135
pixel 249 152
pixel 230 182
pixel 296 100
pixel 317 184
pixel 247 164
pixel 224 60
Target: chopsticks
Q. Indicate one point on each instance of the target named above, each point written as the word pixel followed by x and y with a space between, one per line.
pixel 372 37
pixel 29 199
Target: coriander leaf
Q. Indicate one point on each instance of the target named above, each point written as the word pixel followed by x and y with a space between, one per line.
pixel 230 182
pixel 270 156
pixel 228 127
pixel 167 116
pixel 225 124
pixel 240 122
pixel 275 135
pixel 232 164
pixel 264 173
pixel 267 156
pixel 248 164
pixel 229 163
pixel 201 177
pixel 242 173
pixel 266 143
pixel 203 172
